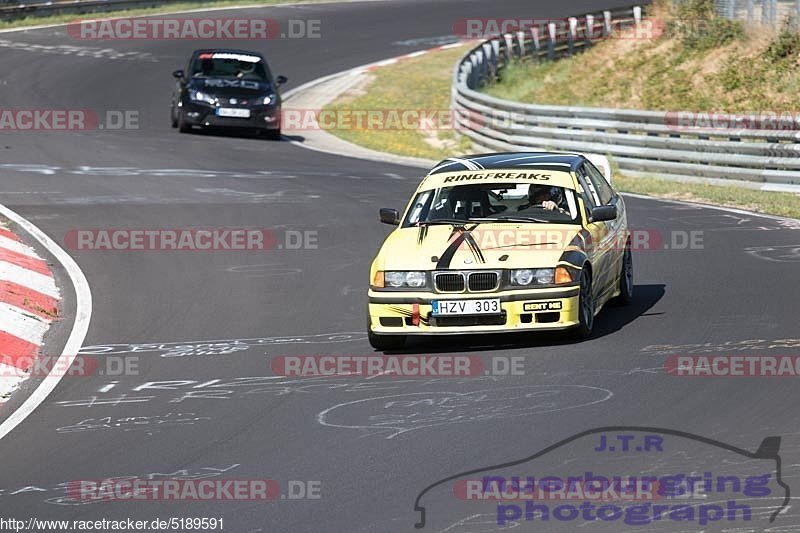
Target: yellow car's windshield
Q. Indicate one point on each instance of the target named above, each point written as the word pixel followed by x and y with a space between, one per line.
pixel 489 202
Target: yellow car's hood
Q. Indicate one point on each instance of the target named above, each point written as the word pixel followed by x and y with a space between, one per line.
pixel 501 245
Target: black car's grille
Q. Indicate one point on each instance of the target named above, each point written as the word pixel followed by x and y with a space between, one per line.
pixel 233 101
pixel 449 282
pixel 482 281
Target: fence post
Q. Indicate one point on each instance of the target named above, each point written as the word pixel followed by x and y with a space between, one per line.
pixel 774 13
pixel 551 41
pixel 750 10
pixel 573 33
pixel 509 46
pixel 520 44
pixel 590 29
pixel 797 15
pixel 535 43
pixel 606 24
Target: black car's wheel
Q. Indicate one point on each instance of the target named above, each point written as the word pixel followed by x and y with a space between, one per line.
pixel 172 120
pixel 625 279
pixel 585 306
pixel 273 135
pixel 182 126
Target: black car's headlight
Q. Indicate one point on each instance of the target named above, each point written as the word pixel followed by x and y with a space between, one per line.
pixel 269 100
pixel 199 96
pixel 394 279
pixel 525 277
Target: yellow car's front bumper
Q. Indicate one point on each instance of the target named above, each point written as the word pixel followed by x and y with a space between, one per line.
pixel 410 313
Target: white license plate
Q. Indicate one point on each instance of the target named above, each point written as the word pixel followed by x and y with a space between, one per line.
pixel 233 112
pixel 466 307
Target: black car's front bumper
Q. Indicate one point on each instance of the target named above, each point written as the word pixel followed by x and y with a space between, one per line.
pixel 261 117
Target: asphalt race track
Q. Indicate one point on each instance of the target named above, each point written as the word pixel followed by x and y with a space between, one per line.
pixel 734 294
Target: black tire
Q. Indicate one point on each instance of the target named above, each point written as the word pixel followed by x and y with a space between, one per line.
pixel 585 306
pixel 273 135
pixel 172 120
pixel 386 342
pixel 182 126
pixel 625 279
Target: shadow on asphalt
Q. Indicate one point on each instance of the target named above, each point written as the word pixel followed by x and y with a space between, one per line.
pixel 610 320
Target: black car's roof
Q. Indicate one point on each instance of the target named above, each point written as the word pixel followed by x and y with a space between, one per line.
pixel 508 160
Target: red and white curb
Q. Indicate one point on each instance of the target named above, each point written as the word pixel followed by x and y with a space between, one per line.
pixel 28 305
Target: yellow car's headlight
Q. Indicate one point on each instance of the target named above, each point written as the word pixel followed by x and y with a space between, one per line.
pixel 394 279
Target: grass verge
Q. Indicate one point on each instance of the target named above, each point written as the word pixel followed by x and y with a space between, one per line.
pixel 692 61
pixel 416 84
pixel 28 21
pixel 772 203
pixel 424 83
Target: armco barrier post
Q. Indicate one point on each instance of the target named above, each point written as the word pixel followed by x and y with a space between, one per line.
pixel 551 41
pixel 573 33
pixel 509 47
pixel 590 29
pixel 535 43
pixel 520 44
pixel 606 24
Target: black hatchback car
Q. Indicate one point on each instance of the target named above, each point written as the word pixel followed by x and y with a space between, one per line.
pixel 227 89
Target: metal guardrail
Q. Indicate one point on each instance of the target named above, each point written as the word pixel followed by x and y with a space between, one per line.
pixel 639 141
pixel 17 9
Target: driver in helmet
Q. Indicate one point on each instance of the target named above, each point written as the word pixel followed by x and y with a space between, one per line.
pixel 549 198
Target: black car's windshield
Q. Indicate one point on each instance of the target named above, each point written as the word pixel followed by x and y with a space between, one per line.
pixel 494 202
pixel 230 65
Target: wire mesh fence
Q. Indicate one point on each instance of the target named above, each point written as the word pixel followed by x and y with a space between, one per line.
pixel 773 13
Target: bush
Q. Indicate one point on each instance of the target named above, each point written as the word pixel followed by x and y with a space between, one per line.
pixel 785 45
pixel 699 29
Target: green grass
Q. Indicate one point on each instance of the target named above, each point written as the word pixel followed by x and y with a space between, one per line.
pixel 168 8
pixel 695 64
pixel 773 203
pixel 420 83
pixel 424 83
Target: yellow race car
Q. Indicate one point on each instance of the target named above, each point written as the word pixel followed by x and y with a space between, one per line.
pixel 498 243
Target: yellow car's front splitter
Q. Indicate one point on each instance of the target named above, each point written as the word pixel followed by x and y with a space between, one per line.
pixel 397 313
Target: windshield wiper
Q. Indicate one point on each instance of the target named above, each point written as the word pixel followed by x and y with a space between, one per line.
pixel 448 221
pixel 510 219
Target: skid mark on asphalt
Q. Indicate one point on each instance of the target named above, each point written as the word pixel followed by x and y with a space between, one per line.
pixel 783 253
pixel 390 416
pixel 79 51
pixel 257 271
pixel 149 424
pixel 726 346
pixel 218 347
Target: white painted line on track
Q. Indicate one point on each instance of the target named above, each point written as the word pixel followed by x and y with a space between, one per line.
pixel 83 315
